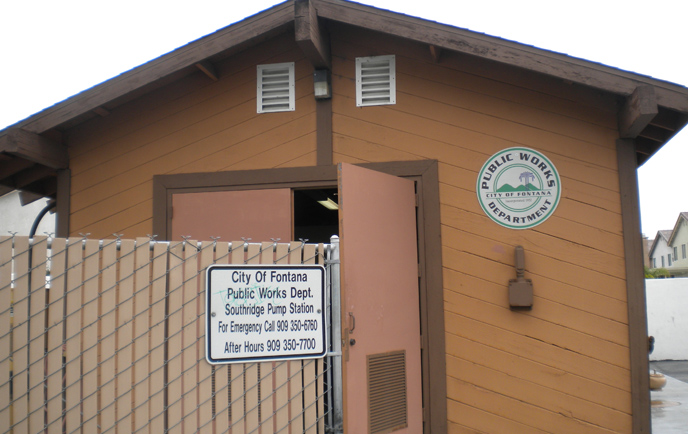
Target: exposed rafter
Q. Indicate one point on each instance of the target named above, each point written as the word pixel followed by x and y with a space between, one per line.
pixel 208 69
pixel 637 112
pixel 34 147
pixel 435 53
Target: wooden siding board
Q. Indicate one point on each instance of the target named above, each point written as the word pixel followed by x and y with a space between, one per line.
pixel 442 100
pixel 182 136
pixel 119 221
pixel 460 159
pixel 536 350
pixel 458 126
pixel 460 285
pixel 573 189
pixel 181 149
pixel 134 217
pixel 478 420
pixel 536 265
pixel 566 294
pixel 122 121
pixel 520 411
pixel 566 210
pixel 535 327
pixel 469 72
pixel 192 90
pixel 533 371
pixel 501 241
pixel 101 193
pixel 195 121
pixel 558 411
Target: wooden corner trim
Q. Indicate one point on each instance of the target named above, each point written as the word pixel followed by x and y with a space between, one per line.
pixel 635 286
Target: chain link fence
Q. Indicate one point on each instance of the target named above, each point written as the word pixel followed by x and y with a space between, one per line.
pixel 107 336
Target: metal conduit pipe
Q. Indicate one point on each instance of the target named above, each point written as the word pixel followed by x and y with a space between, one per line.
pixel 50 205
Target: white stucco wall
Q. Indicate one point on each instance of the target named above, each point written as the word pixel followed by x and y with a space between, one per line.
pixel 17 218
pixel 667 317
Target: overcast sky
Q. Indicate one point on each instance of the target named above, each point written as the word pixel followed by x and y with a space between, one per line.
pixel 50 50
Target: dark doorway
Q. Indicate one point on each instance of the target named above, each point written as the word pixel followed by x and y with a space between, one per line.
pixel 316 216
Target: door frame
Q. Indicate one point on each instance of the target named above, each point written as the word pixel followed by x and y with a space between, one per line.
pixel 426 177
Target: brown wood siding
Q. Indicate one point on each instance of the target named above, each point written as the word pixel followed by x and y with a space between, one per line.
pixel 564 366
pixel 193 125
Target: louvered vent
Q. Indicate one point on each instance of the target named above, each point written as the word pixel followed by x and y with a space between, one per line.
pixel 276 87
pixel 375 81
pixel 387 403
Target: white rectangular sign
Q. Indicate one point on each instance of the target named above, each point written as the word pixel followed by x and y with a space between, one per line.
pixel 265 312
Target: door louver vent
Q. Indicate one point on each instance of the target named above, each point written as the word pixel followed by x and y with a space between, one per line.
pixel 276 87
pixel 387 403
pixel 375 81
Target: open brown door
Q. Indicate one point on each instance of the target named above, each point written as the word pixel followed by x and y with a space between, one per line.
pixel 380 307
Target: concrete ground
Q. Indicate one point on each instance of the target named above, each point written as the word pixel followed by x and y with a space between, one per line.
pixel 670 405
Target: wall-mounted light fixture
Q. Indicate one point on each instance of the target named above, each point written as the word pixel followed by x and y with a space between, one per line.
pixel 321 84
pixel 520 288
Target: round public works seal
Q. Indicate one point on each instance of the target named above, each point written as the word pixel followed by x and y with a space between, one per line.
pixel 518 188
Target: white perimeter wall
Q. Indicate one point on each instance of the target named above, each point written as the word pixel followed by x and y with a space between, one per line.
pixel 667 317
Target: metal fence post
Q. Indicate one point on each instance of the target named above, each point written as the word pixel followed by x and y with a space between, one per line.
pixel 337 383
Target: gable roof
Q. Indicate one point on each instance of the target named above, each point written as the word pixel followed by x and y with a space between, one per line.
pixel 681 217
pixel 661 235
pixel 652 111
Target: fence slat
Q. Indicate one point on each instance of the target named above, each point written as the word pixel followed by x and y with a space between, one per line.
pixel 5 321
pixel 282 416
pixel 296 366
pixel 174 343
pixel 221 372
pixel 205 370
pixel 108 329
pixel 89 336
pixel 141 327
pixel 238 382
pixel 55 354
pixel 310 399
pixel 125 311
pixel 157 339
pixel 20 334
pixel 251 379
pixel 37 333
pixel 190 338
pixel 267 369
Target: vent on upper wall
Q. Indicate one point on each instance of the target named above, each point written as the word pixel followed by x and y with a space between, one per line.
pixel 375 81
pixel 387 403
pixel 276 87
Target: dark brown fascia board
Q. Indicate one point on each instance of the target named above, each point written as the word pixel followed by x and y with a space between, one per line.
pixel 447 37
pixel 183 57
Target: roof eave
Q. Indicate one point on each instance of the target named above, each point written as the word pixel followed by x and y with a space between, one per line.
pixel 670 101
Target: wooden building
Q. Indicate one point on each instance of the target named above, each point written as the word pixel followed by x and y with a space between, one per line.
pixel 178 145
